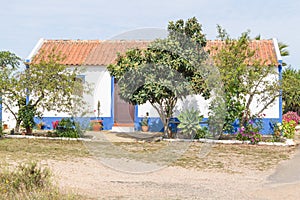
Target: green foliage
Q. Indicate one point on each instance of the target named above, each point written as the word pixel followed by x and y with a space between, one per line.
pixel 51 86
pixel 26 115
pixel 289 129
pixel 291 90
pixel 202 132
pixel 168 70
pixel 251 130
pixel 68 128
pixel 189 122
pixel 29 181
pixel 27 176
pixel 144 121
pixel 244 84
pixel 277 131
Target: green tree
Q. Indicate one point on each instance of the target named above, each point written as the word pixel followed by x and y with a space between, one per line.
pixel 9 64
pixel 291 90
pixel 168 70
pixel 50 85
pixel 243 84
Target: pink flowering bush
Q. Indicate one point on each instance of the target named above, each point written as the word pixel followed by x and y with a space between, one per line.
pixel 289 116
pixel 251 130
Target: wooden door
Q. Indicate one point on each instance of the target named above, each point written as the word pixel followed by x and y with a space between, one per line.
pixel 123 111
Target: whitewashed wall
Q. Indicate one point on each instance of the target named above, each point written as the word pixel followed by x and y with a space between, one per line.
pixel 99 79
pixel 199 103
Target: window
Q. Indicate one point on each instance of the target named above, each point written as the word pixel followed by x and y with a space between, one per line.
pixel 80 80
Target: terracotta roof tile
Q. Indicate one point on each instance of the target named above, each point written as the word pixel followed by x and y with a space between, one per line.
pixel 106 52
pixel 97 52
pixel 73 51
pixel 264 50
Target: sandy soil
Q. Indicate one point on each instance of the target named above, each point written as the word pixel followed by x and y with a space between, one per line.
pixel 91 179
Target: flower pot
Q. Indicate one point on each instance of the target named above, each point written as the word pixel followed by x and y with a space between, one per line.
pixel 97 125
pixel 145 128
pixel 5 126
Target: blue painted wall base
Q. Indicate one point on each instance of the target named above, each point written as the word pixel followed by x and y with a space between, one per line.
pixel 155 124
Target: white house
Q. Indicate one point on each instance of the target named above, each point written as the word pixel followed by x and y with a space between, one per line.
pixel 95 55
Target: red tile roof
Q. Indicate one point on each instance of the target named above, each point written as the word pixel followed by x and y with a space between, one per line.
pixel 106 52
pixel 74 52
pixel 97 52
pixel 264 50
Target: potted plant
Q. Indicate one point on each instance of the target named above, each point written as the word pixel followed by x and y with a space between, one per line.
pixel 144 123
pixel 97 124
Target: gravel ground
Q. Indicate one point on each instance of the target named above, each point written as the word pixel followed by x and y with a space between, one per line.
pixel 92 179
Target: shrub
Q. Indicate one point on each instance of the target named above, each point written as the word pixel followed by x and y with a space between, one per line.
pixel 291 116
pixel 29 181
pixel 277 131
pixel 289 129
pixel 26 177
pixel 68 128
pixel 189 122
pixel 202 132
pixel 250 131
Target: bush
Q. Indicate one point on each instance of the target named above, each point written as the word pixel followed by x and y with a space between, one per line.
pixel 68 128
pixel 202 132
pixel 250 131
pixel 289 129
pixel 189 122
pixel 29 181
pixel 289 116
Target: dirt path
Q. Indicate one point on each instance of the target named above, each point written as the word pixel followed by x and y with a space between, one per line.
pixel 93 180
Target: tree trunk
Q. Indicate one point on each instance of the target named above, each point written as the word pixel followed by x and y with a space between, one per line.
pixel 17 127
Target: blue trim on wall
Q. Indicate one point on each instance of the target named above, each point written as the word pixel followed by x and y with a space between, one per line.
pixel 27 90
pixel 280 92
pixel 1 112
pixel 156 125
pixel 83 121
pixel 136 118
pixel 110 120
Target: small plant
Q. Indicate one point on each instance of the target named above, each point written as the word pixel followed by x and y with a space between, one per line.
pixel 28 181
pixel 250 130
pixel 289 129
pixel 189 122
pixel 202 132
pixel 277 131
pixel 144 121
pixel 27 176
pixel 67 128
pixel 26 114
pixel 289 116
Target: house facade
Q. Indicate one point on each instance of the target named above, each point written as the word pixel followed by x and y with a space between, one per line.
pixel 95 55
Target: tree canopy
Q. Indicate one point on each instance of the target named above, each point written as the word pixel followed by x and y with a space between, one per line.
pixel 244 84
pixel 168 70
pixel 291 90
pixel 50 85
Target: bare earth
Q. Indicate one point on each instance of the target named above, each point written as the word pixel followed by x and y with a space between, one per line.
pixel 91 179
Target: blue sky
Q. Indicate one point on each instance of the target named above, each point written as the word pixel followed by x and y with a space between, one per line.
pixel 24 22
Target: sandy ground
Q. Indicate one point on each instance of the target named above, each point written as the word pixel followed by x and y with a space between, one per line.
pixel 92 179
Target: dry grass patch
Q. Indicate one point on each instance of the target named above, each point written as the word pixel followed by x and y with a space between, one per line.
pixel 234 158
pixel 16 150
